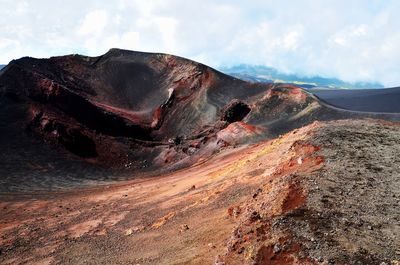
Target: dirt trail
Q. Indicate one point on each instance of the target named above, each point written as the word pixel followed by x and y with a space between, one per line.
pixel 292 200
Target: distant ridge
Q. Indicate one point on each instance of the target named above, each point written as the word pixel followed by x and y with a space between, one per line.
pixel 367 100
pixel 264 74
pixel 2 66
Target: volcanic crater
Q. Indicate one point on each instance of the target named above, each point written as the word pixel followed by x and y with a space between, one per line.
pixel 142 158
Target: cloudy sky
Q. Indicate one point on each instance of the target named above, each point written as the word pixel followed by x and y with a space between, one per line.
pixel 353 40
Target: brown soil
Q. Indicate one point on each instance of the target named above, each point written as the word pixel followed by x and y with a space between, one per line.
pixel 327 193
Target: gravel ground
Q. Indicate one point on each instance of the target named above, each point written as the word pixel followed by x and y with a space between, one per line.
pixel 327 193
pixel 352 214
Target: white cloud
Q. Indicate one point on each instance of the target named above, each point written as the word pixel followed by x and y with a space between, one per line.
pixel 22 7
pixel 340 40
pixel 290 41
pixel 350 39
pixel 163 28
pixel 6 43
pixel 128 40
pixel 93 23
pixel 360 30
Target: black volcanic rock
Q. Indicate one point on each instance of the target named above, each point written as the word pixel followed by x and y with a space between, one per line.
pixel 122 111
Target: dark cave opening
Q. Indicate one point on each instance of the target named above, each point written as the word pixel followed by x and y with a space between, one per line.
pixel 77 143
pixel 235 111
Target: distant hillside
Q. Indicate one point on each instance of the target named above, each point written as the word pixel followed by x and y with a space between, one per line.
pixel 258 73
pixel 2 66
pixel 368 100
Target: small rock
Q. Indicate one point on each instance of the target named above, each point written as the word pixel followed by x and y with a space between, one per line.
pixel 211 245
pixel 234 211
pixel 128 232
pixel 276 249
pixel 241 250
pixel 299 161
pixel 218 261
pixel 192 188
pixel 185 227
pixel 258 191
pixel 134 229
pixel 369 227
pixel 254 216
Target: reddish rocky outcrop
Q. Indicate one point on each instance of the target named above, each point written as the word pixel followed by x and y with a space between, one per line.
pixel 123 108
pixel 137 111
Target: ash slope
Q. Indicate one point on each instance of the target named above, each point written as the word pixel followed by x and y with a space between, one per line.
pixel 77 120
pixel 367 100
pixel 326 193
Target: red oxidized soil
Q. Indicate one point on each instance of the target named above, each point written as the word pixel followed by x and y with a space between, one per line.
pixel 194 201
